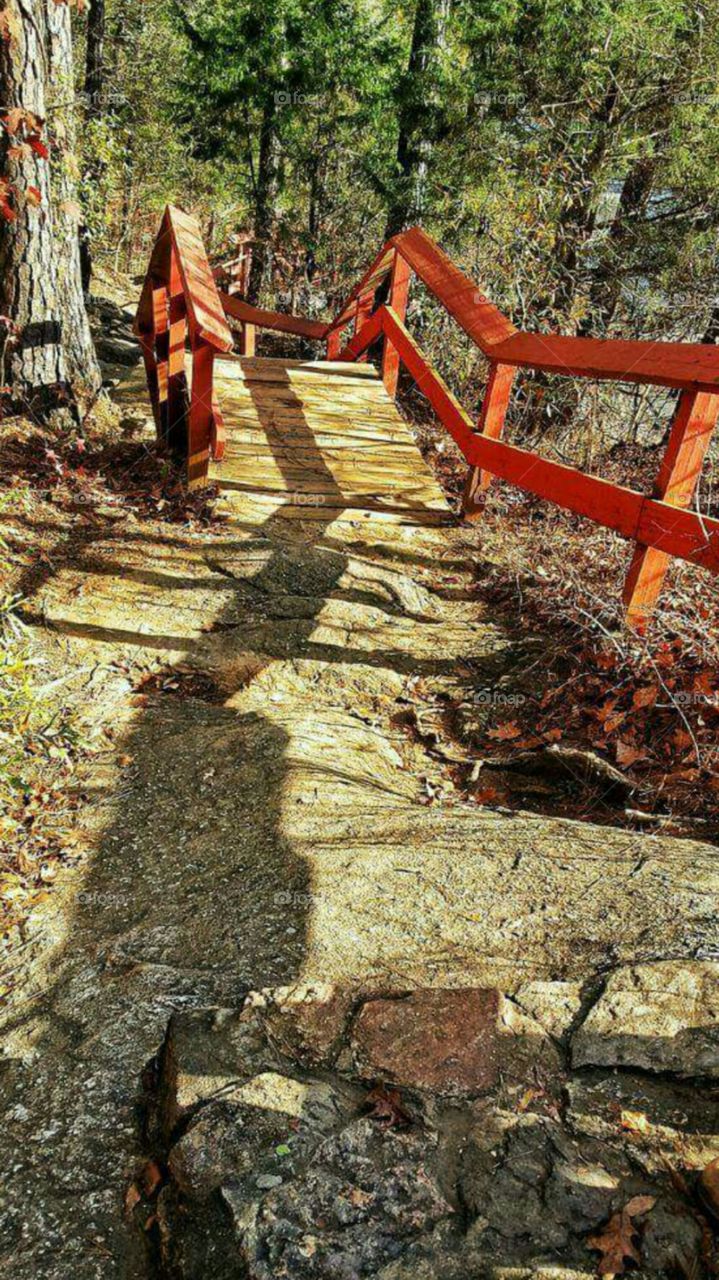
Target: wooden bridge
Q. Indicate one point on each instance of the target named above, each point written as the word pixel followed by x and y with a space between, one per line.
pixel 328 437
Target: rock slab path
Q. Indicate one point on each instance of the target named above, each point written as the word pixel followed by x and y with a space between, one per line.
pixel 265 821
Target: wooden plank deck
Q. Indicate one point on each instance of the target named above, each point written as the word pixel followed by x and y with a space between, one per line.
pixel 320 441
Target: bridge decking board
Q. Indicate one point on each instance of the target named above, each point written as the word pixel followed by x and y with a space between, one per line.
pixel 322 437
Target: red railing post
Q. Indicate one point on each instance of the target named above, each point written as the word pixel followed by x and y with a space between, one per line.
pixel 694 420
pixel 199 436
pixel 161 339
pixel 177 336
pixel 334 343
pixel 491 423
pixel 363 311
pixel 397 300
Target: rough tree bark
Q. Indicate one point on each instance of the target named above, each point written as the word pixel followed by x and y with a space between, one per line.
pixel 40 287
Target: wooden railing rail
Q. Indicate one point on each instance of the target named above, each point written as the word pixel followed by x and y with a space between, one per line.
pixel 180 301
pixel 659 524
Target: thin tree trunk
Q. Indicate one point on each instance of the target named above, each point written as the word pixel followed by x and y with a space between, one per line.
pixel 95 56
pixel 80 359
pixel 94 106
pixel 607 284
pixel 40 287
pixel 265 201
pixel 417 115
pixel 711 333
pixel 575 225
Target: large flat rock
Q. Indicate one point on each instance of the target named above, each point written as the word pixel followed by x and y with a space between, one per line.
pixel 659 1017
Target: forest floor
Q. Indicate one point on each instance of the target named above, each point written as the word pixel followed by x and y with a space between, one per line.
pixel 288 814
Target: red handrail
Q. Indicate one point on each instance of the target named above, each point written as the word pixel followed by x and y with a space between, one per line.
pixel 659 524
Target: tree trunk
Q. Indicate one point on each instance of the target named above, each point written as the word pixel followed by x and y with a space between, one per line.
pixel 94 106
pixel 417 115
pixel 95 56
pixel 711 333
pixel 575 225
pixel 623 232
pixel 40 291
pixel 265 200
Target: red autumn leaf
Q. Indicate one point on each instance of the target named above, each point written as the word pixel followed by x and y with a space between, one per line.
pixel 627 754
pixel 505 732
pixel 646 696
pixel 489 795
pixel 552 735
pixel 614 722
pixel 33 197
pixel 705 683
pixel 38 146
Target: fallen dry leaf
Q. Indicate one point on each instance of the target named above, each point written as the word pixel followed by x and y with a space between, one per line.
pixel 709 1188
pixel 505 732
pixel 132 1198
pixel 151 1178
pixel 646 696
pixel 385 1106
pixel 618 1242
pixel 488 795
pixel 627 754
pixel 528 1098
pixel 634 1121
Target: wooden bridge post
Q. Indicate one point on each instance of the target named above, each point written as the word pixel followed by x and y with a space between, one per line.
pixel 161 339
pixel 176 426
pixel 200 427
pixel 694 421
pixel 397 301
pixel 334 343
pixel 491 423
pixel 362 313
pixel 247 341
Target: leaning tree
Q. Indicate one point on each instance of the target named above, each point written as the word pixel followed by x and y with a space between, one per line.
pixel 47 350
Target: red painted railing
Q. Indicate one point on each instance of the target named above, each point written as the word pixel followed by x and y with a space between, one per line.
pixel 659 524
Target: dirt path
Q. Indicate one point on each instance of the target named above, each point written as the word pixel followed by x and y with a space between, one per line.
pixel 266 819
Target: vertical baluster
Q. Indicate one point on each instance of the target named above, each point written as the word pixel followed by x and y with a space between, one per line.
pixel 363 310
pixel 694 421
pixel 397 300
pixel 176 375
pixel 334 344
pixel 201 415
pixel 247 339
pixel 491 423
pixel 160 328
